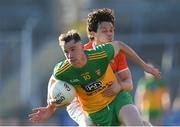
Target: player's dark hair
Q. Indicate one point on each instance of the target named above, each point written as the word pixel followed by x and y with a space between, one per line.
pixel 70 35
pixel 97 16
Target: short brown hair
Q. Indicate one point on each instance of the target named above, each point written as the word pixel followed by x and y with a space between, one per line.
pixel 70 35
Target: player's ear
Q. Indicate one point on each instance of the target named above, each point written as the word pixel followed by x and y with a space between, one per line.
pixel 91 35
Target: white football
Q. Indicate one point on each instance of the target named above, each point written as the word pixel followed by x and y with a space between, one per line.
pixel 62 93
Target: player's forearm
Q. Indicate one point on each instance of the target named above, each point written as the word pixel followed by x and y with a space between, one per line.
pixel 132 55
pixel 126 85
pixel 125 79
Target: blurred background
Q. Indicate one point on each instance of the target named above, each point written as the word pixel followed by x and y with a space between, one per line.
pixel 29 31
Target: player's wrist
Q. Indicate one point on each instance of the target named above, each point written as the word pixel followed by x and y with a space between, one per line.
pixel 51 107
pixel 121 87
pixel 127 86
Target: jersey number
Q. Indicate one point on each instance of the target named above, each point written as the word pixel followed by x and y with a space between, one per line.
pixel 86 77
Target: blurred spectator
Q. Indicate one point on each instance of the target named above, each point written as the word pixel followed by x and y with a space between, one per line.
pixel 173 118
pixel 152 98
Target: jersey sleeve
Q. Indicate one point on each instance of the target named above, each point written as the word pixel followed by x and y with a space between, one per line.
pixel 122 62
pixel 108 48
pixel 56 70
pixel 60 70
pixel 119 63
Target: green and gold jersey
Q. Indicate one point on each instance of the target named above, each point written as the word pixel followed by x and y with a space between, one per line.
pixel 92 79
pixel 153 93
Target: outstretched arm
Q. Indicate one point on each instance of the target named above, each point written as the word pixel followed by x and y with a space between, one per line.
pixel 42 113
pixel 132 55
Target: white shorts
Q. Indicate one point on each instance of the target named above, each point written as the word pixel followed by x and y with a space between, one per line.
pixel 75 111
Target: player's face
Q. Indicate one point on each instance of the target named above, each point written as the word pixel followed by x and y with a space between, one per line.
pixel 105 33
pixel 74 52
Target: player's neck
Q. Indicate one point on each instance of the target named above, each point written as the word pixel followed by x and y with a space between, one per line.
pixel 95 43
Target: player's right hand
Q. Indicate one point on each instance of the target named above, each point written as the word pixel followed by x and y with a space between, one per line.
pixel 152 70
pixel 41 113
pixel 112 89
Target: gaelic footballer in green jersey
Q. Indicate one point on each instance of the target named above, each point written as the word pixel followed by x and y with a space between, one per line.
pixel 92 79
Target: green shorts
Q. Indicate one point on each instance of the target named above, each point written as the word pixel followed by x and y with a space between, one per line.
pixel 108 116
